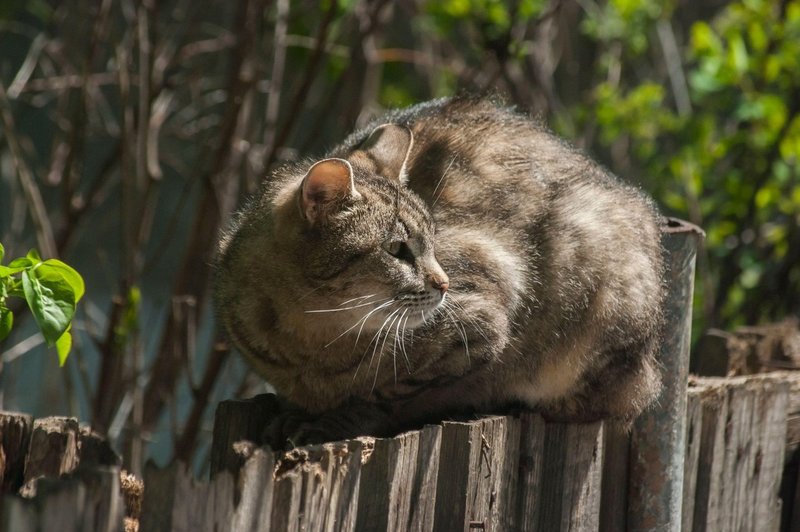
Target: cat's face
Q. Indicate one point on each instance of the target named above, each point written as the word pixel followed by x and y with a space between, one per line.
pixel 368 250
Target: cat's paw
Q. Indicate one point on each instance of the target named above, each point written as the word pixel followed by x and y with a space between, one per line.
pixel 294 427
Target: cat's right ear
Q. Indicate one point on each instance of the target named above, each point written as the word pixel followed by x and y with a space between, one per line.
pixel 389 147
pixel 327 183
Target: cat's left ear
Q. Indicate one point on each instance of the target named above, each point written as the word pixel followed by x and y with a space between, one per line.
pixel 389 146
pixel 327 183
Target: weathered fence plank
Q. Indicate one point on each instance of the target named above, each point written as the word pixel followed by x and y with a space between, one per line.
pixel 175 501
pixel 53 450
pixel 88 500
pixel 316 487
pixel 741 453
pixel 614 492
pixel 15 435
pixel 389 472
pixel 423 492
pixel 477 489
pixel 708 488
pixel 531 446
pixel 254 510
pixel 694 429
pixel 571 477
pixel 238 420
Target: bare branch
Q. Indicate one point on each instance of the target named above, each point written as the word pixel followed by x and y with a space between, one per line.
pixel 41 221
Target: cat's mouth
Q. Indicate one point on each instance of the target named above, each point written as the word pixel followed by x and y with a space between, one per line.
pixel 419 307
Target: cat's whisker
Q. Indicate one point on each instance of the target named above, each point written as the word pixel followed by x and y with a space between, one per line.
pixel 441 182
pixel 377 340
pixel 362 321
pixel 380 353
pixel 394 343
pixel 365 318
pixel 355 299
pixel 311 292
pixel 470 319
pixel 317 311
pixel 403 341
pixel 459 327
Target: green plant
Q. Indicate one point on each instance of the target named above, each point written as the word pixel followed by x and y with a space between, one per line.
pixel 51 288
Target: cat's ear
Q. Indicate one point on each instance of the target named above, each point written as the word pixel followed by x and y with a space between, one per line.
pixel 326 183
pixel 389 146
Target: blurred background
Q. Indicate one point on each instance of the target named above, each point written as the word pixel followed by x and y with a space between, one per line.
pixel 131 130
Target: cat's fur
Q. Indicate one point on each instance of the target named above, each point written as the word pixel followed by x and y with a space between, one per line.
pixel 551 272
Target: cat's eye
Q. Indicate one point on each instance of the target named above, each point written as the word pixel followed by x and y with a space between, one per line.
pixel 393 247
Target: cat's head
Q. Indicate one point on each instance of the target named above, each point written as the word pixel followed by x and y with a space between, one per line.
pixel 365 242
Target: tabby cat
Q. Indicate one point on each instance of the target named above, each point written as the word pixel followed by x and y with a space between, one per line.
pixel 454 255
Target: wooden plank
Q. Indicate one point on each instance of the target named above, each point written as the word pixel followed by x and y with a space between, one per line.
pixel 476 488
pixel 708 486
pixel 53 450
pixel 316 487
pixel 571 477
pixel 254 510
pixel 531 455
pixel 95 449
pixel 88 500
pixel 457 453
pixel 423 493
pixel 389 472
pixel 694 429
pixel 175 501
pixel 235 421
pixel 614 493
pixel 768 434
pixel 15 435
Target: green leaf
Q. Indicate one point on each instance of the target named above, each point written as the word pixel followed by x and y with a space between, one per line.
pixel 2 253
pixel 20 263
pixel 34 257
pixel 6 322
pixel 51 300
pixel 63 346
pixel 55 266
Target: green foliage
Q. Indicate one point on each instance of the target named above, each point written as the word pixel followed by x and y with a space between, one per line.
pixel 730 162
pixel 52 290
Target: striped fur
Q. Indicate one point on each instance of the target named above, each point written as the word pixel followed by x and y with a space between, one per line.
pixel 554 267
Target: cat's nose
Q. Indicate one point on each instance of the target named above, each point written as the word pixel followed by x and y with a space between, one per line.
pixel 440 282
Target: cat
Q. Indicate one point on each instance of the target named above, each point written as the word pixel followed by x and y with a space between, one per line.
pixel 451 256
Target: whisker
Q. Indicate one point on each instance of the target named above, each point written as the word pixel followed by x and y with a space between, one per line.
pixel 441 182
pixel 380 353
pixel 346 308
pixel 470 319
pixel 362 321
pixel 458 326
pixel 355 299
pixel 403 342
pixel 377 340
pixel 311 292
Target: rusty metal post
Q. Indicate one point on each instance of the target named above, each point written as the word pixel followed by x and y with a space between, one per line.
pixel 655 489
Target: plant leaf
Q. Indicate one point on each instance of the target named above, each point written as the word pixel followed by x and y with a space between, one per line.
pixel 51 300
pixel 63 346
pixel 6 322
pixel 20 263
pixel 33 256
pixel 68 272
pixel 2 253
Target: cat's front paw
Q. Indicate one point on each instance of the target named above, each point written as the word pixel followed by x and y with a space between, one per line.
pixel 295 427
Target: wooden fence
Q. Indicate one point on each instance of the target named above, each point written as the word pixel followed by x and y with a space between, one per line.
pixel 496 473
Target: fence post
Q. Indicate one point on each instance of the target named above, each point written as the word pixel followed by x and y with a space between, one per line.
pixel 658 436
